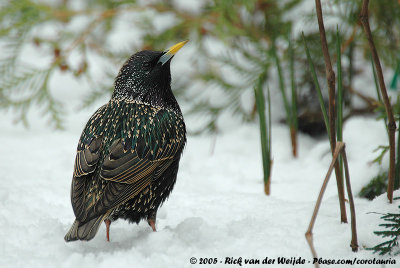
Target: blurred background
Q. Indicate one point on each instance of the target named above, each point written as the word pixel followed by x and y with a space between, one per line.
pixel 45 43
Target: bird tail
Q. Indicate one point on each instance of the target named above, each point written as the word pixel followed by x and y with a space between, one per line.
pixel 85 231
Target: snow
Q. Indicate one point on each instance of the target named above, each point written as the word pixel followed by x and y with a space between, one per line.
pixel 217 209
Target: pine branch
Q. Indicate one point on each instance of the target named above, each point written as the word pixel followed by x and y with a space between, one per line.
pixel 392 231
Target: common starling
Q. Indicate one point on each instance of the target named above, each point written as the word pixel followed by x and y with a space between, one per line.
pixel 128 154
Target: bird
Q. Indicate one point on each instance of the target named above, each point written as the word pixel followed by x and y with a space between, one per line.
pixel 128 154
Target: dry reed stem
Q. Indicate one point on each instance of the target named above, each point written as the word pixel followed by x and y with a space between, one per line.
pixel 309 236
pixel 353 244
pixel 293 138
pixel 330 76
pixel 340 149
pixel 364 19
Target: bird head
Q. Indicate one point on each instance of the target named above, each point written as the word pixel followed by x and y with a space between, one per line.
pixel 146 76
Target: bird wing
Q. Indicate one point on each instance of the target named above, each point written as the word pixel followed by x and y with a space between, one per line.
pixel 125 166
pixel 127 169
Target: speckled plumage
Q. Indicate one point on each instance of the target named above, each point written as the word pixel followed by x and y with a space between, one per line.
pixel 129 151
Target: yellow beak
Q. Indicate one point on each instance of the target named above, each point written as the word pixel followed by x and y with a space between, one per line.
pixel 171 52
pixel 175 48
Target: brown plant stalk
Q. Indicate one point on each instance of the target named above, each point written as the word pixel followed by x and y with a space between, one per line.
pixel 364 19
pixel 330 76
pixel 267 185
pixel 340 149
pixel 353 244
pixel 293 138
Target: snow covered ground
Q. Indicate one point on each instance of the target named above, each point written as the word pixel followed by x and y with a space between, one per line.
pixel 217 209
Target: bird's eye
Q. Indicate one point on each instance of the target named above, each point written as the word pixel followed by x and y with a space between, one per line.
pixel 146 65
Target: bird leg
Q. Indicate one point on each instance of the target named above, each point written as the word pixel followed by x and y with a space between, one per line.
pixel 151 220
pixel 108 223
pixel 152 223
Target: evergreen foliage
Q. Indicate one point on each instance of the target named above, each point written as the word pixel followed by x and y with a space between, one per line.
pixel 248 28
pixel 392 231
pixel 375 187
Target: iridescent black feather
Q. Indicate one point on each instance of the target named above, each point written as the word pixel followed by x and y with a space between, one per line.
pixel 128 154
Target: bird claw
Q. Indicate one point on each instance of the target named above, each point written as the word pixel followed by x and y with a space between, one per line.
pixel 108 223
pixel 152 224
